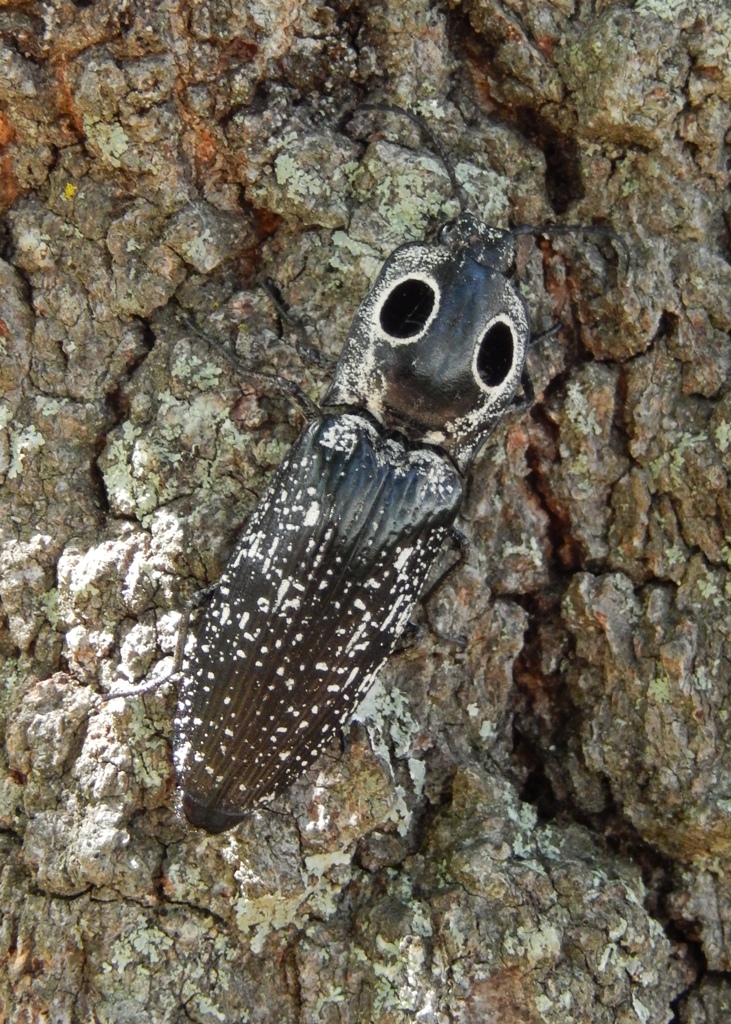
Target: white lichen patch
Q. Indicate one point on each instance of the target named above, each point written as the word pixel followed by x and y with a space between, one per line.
pixel 196 371
pixel 666 10
pixel 24 443
pixel 110 138
pixel 306 183
pixel 410 192
pixel 274 911
pixel 145 942
pixel 352 256
pixel 139 462
pixel 386 713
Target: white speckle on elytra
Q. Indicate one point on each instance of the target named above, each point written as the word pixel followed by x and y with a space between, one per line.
pixel 312 515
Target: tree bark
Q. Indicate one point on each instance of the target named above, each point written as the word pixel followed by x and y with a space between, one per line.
pixel 534 829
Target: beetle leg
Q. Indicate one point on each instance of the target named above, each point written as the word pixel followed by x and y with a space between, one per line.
pixel 200 598
pixel 524 401
pixel 308 353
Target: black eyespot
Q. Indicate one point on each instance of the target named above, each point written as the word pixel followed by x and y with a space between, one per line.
pixel 407 308
pixel 495 354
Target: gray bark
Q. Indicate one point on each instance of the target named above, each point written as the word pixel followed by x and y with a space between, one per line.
pixel 535 829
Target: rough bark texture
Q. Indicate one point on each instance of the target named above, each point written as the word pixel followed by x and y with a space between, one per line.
pixel 536 829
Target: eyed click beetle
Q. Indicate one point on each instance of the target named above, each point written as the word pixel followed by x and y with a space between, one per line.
pixel 331 563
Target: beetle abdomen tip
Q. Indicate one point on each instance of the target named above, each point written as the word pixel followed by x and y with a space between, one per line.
pixel 212 819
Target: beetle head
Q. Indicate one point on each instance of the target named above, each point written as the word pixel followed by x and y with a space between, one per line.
pixel 437 347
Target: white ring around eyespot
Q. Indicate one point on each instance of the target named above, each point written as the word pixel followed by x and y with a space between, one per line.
pixel 500 319
pixel 413 275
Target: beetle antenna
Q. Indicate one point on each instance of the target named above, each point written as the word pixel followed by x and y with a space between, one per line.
pixel 434 143
pixel 597 230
